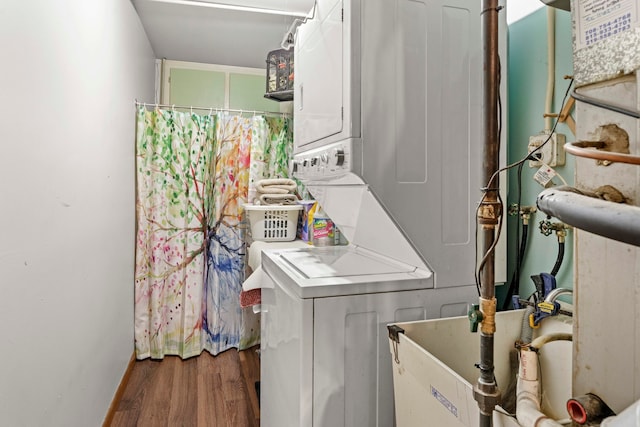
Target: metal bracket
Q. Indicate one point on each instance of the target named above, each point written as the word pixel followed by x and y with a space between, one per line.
pixel 394 332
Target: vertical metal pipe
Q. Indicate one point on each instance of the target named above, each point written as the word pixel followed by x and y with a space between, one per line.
pixel 490 90
pixel 486 392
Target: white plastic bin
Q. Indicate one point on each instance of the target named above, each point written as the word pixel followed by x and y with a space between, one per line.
pixel 435 372
pixel 273 223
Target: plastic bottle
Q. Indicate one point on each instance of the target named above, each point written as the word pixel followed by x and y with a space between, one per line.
pixel 323 230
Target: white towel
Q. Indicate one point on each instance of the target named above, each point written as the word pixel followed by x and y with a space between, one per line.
pixel 277 199
pixel 276 185
pixel 275 191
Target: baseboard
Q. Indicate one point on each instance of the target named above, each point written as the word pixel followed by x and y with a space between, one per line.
pixel 108 419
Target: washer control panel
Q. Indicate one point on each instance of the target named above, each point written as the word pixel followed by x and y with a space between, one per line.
pixel 330 161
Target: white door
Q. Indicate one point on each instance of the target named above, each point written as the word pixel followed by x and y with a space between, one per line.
pixel 318 88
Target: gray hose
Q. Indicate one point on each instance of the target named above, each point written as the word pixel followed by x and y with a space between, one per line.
pixel 527 331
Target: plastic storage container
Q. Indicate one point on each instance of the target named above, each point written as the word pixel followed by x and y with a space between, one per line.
pixel 273 223
pixel 280 75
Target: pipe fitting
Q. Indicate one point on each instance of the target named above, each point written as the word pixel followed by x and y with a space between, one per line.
pixel 547 227
pixel 587 409
pixel 526 212
pixel 489 212
pixel 488 397
pixel 488 310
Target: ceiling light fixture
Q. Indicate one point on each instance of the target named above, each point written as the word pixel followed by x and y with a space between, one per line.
pixel 250 9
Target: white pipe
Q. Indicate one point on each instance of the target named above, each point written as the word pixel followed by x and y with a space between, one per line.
pixel 630 417
pixel 551 66
pixel 528 411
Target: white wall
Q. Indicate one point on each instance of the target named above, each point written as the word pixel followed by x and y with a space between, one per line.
pixel 70 72
pixel 518 9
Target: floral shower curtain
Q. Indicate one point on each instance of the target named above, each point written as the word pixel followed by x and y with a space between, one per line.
pixel 193 175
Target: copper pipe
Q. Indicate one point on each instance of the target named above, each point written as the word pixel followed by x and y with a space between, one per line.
pixel 486 391
pixel 584 149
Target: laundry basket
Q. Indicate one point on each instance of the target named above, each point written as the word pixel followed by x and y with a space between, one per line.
pixel 273 223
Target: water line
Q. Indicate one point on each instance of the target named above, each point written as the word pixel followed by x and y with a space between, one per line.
pixel 617 221
pixel 486 391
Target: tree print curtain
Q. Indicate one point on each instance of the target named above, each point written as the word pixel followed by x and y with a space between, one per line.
pixel 193 176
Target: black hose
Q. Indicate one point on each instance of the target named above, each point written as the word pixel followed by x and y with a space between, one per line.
pixel 559 259
pixel 514 285
pixel 523 247
pixel 516 273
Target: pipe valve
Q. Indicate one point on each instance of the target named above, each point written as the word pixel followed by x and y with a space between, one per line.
pixel 475 317
pixel 525 212
pixel 547 227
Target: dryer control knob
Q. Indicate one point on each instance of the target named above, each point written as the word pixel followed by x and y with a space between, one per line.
pixel 338 156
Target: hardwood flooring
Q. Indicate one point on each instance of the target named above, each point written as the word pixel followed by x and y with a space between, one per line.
pixel 203 391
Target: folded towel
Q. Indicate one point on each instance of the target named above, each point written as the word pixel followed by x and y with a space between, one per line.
pixel 273 189
pixel 268 185
pixel 277 199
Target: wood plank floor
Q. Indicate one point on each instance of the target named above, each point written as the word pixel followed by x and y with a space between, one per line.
pixel 203 391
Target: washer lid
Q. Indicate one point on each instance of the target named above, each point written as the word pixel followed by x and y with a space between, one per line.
pixel 341 261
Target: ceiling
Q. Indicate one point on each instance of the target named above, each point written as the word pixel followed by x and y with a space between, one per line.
pixel 186 30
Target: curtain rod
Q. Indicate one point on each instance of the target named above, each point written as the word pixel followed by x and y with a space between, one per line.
pixel 212 110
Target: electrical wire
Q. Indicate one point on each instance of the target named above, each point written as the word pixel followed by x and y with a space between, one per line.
pixel 524 159
pixel 561 179
pixel 478 271
pixel 489 185
pixel 611 107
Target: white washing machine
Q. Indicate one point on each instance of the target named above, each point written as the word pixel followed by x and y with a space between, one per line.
pixel 324 351
pixel 387 131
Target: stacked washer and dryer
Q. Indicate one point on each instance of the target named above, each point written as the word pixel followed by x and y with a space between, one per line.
pixel 388 140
